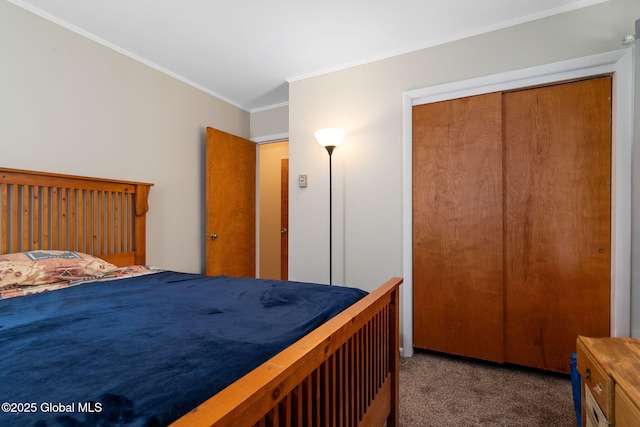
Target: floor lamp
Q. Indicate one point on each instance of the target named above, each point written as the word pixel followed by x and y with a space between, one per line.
pixel 330 138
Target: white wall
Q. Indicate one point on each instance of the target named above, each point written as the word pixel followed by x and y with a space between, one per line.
pixel 367 102
pixel 270 124
pixel 73 106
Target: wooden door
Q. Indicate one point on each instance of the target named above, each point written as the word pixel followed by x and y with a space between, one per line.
pixel 231 205
pixel 284 219
pixel 457 227
pixel 557 220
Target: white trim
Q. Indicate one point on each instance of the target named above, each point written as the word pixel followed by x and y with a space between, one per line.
pixel 407 226
pixel 269 107
pixel 617 63
pixel 449 39
pixel 278 137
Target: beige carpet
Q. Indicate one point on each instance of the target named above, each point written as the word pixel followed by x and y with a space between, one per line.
pixel 440 390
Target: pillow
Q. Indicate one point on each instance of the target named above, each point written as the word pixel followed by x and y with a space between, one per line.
pixel 42 267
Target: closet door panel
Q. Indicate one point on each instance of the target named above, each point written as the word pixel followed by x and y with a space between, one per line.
pixel 457 227
pixel 557 220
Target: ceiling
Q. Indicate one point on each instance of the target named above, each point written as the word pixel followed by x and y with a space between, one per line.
pixel 246 51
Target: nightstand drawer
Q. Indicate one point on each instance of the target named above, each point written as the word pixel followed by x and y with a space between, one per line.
pixel 597 380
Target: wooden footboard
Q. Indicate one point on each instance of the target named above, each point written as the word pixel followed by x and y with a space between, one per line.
pixel 345 373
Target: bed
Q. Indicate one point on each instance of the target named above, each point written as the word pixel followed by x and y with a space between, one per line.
pixel 337 372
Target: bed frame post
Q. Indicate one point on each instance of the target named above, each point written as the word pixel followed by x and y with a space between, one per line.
pixel 141 208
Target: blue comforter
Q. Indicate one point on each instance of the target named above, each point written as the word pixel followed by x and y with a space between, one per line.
pixel 143 351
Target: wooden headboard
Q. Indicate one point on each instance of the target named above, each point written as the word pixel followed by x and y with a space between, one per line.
pixel 101 217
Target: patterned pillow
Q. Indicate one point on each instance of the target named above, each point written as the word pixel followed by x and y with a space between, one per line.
pixel 42 267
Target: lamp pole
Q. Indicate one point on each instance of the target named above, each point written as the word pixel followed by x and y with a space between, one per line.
pixel 330 149
pixel 330 138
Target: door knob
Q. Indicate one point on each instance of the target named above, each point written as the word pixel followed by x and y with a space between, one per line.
pixel 283 231
pixel 212 236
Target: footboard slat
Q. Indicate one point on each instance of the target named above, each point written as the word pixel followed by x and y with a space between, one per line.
pixel 345 373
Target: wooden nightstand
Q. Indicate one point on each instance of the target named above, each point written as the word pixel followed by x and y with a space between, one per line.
pixel 610 371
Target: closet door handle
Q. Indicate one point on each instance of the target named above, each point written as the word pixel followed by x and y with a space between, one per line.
pixel 212 236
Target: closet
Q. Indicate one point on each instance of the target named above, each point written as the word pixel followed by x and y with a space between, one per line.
pixel 511 223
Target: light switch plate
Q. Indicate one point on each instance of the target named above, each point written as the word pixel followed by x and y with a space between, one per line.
pixel 302 181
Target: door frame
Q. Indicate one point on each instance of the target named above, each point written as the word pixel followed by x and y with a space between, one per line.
pixel 618 64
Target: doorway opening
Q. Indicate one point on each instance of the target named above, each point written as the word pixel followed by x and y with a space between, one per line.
pixel 273 230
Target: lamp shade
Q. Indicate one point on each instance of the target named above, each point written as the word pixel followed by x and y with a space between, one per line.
pixel 329 137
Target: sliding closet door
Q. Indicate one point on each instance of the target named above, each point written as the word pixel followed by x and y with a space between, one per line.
pixel 557 220
pixel 457 227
